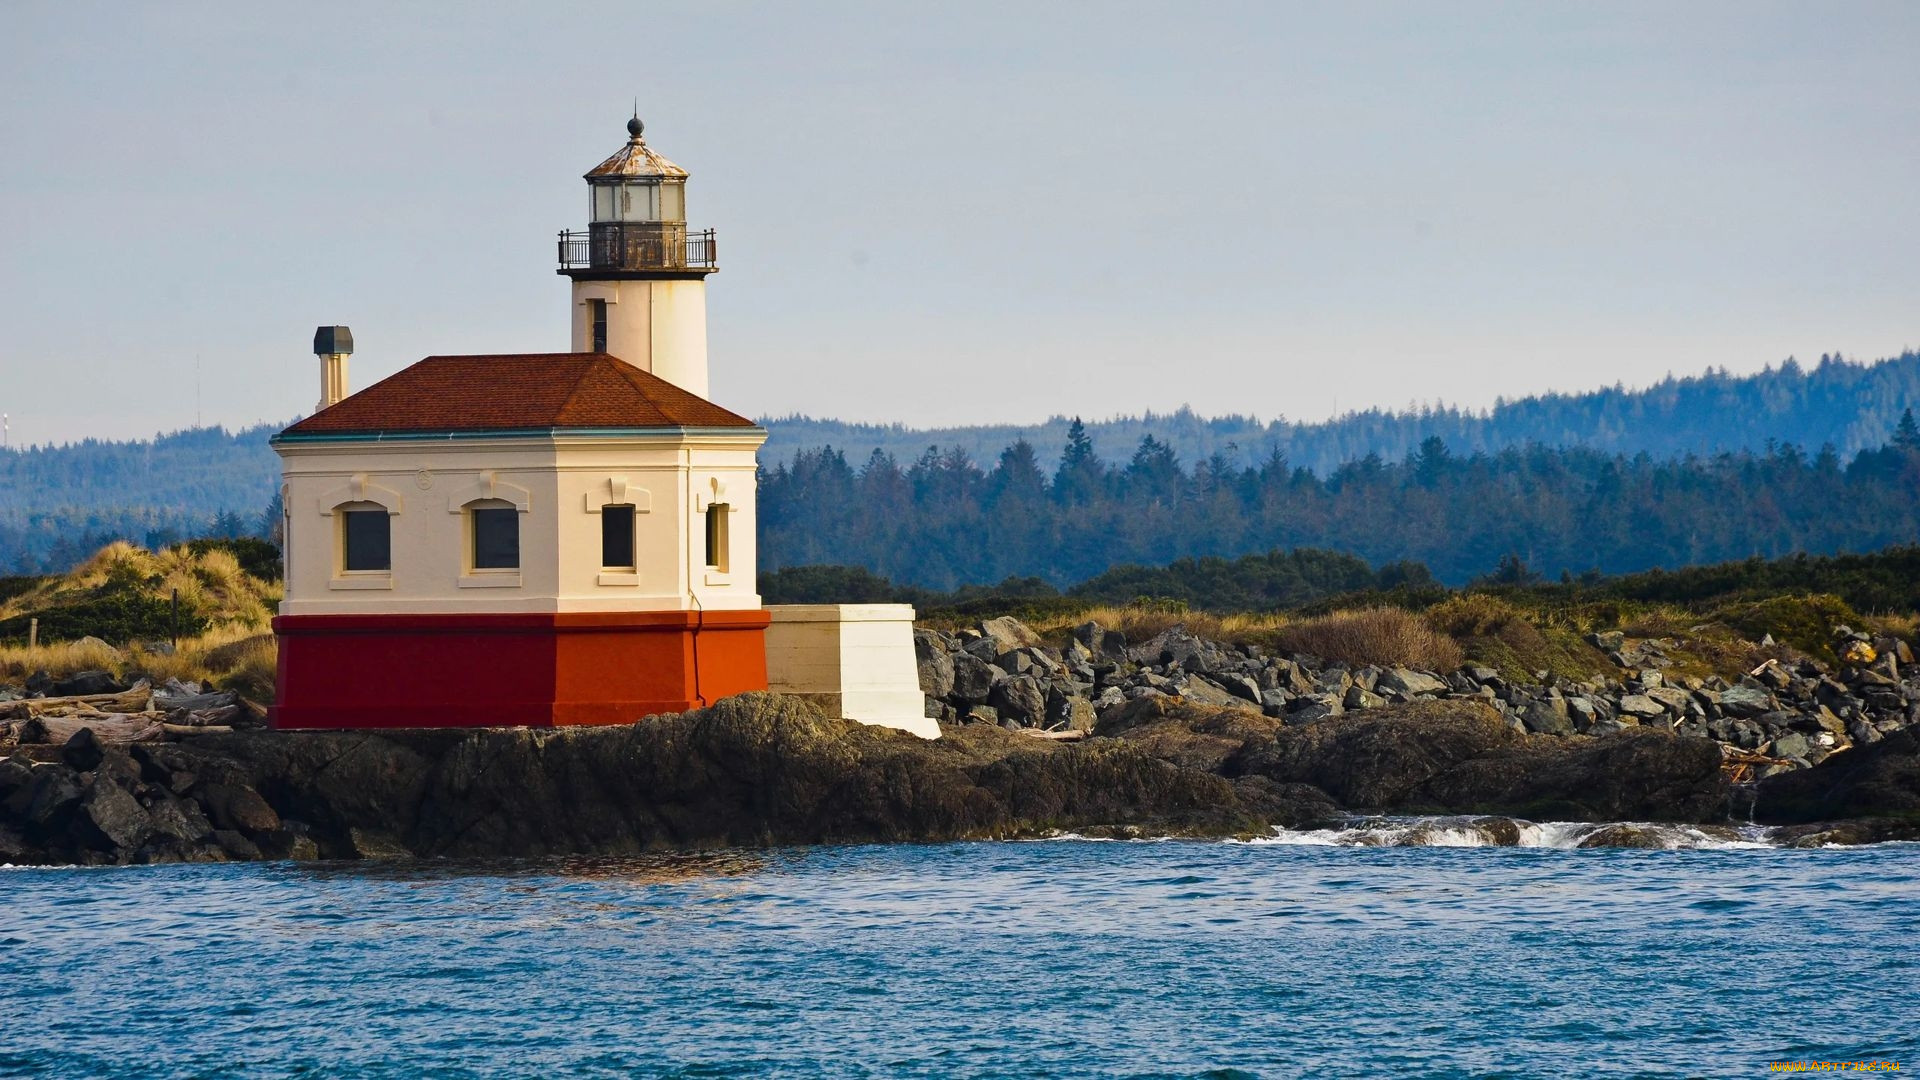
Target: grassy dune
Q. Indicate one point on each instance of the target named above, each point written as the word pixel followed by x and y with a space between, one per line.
pixel 116 612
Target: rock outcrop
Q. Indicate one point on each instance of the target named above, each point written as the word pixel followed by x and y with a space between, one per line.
pixel 1793 713
pixel 1174 736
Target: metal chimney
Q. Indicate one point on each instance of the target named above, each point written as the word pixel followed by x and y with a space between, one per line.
pixel 332 344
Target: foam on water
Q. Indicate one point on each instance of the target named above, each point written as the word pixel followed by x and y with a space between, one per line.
pixel 1469 832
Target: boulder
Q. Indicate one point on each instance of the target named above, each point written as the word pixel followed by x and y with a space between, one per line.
pixel 1358 697
pixel 1608 641
pixel 55 794
pixel 1176 647
pixel 1640 705
pixel 1020 698
pixel 1548 716
pixel 1238 685
pixel 87 682
pixel 237 808
pixel 1410 683
pixel 1104 644
pixel 1746 701
pixel 178 819
pixel 1205 692
pixel 1008 633
pixel 83 751
pixel 936 666
pixel 116 819
pixel 973 679
pixel 1314 707
pixel 1880 780
pixel 1675 701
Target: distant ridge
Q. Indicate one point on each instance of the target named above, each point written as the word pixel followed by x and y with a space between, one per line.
pixel 1848 404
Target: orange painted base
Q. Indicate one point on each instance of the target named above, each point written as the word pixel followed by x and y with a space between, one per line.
pixel 553 670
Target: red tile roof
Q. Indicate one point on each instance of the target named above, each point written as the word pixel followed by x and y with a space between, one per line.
pixel 524 392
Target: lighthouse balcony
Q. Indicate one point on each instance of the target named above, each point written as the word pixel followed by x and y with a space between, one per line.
pixel 639 248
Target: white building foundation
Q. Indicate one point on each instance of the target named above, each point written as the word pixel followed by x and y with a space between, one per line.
pixel 855 660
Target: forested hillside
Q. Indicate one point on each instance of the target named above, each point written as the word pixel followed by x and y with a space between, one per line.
pixel 941 520
pixel 59 505
pixel 1704 468
pixel 1849 405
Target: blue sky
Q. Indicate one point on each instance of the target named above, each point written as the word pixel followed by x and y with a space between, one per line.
pixel 965 213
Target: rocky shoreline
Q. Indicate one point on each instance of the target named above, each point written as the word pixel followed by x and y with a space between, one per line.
pixel 1173 737
pixel 1794 713
pixel 761 770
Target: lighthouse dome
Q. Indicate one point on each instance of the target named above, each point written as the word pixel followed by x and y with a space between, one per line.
pixel 636 160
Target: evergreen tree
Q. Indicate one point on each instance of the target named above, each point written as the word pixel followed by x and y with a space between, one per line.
pixel 1906 434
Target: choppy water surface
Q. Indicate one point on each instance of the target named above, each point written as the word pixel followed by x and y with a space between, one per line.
pixel 1062 958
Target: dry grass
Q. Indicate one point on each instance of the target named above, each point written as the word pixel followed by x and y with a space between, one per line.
pixel 236 649
pixel 1490 631
pixel 212 584
pixel 61 658
pixel 234 656
pixel 1388 637
pixel 1905 627
pixel 1140 623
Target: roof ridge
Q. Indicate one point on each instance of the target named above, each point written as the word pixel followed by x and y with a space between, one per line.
pixel 579 377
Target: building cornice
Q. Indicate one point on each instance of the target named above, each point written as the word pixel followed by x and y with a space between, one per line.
pixel 540 436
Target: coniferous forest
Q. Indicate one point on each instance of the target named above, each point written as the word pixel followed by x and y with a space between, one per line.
pixel 944 520
pixel 1695 470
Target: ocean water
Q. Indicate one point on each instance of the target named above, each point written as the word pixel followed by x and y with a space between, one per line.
pixel 1313 953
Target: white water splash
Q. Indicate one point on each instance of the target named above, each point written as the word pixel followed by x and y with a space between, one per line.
pixel 1514 832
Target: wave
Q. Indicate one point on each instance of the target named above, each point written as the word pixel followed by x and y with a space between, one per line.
pixel 1518 833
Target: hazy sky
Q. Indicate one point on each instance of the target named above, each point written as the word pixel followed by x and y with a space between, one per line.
pixel 974 212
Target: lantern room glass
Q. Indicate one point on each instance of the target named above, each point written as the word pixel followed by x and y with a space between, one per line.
pixel 639 202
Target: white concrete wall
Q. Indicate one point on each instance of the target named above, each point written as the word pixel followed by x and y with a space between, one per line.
pixel 559 484
pixel 657 326
pixel 857 660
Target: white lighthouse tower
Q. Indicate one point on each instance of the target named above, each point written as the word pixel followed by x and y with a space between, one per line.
pixel 639 277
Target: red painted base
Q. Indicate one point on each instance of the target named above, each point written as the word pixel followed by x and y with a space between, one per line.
pixel 554 670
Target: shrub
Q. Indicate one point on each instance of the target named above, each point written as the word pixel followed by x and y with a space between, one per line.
pixel 257 557
pixel 1494 632
pixel 1805 622
pixel 1384 636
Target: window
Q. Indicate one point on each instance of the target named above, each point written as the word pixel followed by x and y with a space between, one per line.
pixel 496 538
pixel 366 540
pixel 597 311
pixel 616 537
pixel 717 536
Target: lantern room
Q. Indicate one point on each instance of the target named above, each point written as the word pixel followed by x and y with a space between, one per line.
pixel 637 185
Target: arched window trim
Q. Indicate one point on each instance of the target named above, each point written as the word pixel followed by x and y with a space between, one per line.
pixel 342 578
pixel 488 485
pixel 359 488
pixel 488 577
pixel 617 491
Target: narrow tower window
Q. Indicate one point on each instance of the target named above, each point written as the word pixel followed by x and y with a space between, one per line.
pixel 496 538
pixel 598 310
pixel 616 538
pixel 366 540
pixel 717 536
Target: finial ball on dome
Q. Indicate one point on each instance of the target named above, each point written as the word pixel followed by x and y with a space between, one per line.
pixel 635 127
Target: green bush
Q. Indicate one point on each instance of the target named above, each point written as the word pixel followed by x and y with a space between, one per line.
pixel 113 615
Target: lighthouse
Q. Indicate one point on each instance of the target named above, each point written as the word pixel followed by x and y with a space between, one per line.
pixel 554 539
pixel 533 539
pixel 639 276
